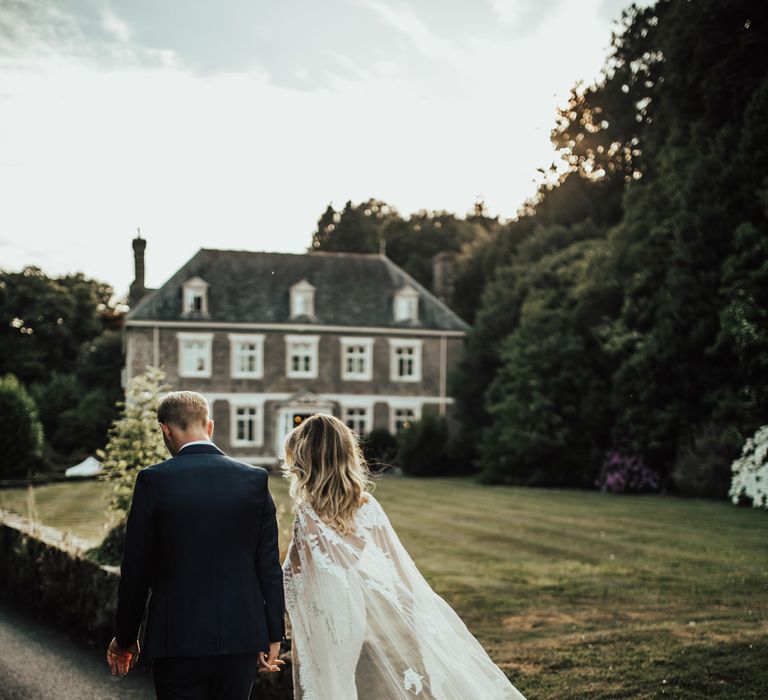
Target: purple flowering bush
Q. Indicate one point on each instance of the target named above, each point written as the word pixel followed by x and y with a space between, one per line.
pixel 626 474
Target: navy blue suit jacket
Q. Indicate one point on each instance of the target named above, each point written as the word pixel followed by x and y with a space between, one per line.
pixel 202 537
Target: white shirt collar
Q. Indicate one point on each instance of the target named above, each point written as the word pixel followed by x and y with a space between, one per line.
pixel 195 442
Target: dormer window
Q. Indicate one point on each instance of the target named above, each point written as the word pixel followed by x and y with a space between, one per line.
pixel 406 305
pixel 195 296
pixel 302 300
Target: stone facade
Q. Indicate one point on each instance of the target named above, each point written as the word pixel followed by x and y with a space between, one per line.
pixel 253 415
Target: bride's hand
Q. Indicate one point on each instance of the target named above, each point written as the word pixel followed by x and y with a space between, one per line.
pixel 270 664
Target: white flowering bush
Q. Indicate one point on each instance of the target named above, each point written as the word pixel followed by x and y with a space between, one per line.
pixel 750 471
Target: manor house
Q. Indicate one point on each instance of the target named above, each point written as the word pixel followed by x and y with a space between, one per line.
pixel 270 338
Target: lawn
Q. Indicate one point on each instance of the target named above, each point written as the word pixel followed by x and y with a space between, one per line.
pixel 574 594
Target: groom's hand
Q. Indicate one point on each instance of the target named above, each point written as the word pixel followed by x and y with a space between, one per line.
pixel 270 664
pixel 122 660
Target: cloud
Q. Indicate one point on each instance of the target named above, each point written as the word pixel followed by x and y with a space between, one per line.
pixel 406 22
pixel 116 27
pixel 36 32
pixel 236 127
pixel 524 16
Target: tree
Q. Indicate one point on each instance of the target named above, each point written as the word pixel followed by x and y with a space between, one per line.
pixel 355 229
pixel 668 151
pixel 135 440
pixel 44 321
pixel 411 242
pixel 21 439
pixel 77 408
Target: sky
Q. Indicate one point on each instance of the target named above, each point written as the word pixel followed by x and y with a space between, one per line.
pixel 233 124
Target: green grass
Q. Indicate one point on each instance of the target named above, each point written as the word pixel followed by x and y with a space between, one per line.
pixel 78 507
pixel 577 594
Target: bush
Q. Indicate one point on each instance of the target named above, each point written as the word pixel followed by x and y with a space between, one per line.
pixel 380 449
pixel 21 437
pixel 135 440
pixel 69 590
pixel 75 417
pixel 626 474
pixel 425 448
pixel 110 551
pixel 703 463
pixel 750 471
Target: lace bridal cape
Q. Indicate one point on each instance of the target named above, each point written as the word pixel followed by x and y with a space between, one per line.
pixel 365 623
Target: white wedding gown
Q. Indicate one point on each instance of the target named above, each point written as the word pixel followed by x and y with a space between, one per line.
pixel 366 624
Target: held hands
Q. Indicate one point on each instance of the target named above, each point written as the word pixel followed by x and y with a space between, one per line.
pixel 270 664
pixel 122 660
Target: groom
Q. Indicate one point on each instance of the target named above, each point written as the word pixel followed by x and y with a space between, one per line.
pixel 202 537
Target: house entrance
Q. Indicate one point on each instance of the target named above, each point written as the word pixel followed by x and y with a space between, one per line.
pixel 297 409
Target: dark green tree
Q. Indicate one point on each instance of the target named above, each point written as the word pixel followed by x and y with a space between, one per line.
pixel 21 439
pixel 45 320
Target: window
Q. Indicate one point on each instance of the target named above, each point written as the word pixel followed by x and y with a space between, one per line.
pixel 405 360
pixel 356 358
pixel 247 355
pixel 358 419
pixel 247 426
pixel 406 305
pixel 301 355
pixel 195 295
pixel 195 354
pixel 302 299
pixel 402 418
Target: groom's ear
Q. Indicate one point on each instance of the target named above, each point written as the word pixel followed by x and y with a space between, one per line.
pixel 209 427
pixel 166 430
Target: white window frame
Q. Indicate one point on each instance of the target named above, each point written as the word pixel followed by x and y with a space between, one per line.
pixel 394 345
pixel 192 288
pixel 258 429
pixel 305 291
pixel 236 342
pixel 367 344
pixel 206 338
pixel 366 416
pixel 312 341
pixel 393 408
pixel 405 305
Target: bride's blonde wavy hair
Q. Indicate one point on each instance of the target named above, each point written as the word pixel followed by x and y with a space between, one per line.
pixel 326 469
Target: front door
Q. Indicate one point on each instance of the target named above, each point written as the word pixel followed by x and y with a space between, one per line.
pixel 293 411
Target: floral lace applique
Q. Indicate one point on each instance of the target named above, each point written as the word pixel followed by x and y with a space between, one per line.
pixel 368 515
pixel 412 681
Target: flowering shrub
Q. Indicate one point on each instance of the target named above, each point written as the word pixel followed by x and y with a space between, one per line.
pixel 623 474
pixel 134 439
pixel 750 471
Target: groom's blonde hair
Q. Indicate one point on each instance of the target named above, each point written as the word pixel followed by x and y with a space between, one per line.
pixel 326 468
pixel 182 409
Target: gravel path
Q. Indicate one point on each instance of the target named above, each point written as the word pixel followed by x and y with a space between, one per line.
pixel 38 662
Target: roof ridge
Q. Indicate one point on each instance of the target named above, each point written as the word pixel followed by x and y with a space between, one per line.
pixel 338 253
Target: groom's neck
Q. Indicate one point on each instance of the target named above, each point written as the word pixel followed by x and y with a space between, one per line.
pixel 182 439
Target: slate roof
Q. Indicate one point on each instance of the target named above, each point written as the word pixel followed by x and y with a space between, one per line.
pixel 352 289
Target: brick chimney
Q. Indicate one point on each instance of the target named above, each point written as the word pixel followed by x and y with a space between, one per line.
pixel 443 275
pixel 137 289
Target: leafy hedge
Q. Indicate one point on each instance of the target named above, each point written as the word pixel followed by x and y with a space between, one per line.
pixel 71 591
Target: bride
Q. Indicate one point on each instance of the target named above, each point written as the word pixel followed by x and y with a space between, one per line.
pixel 364 622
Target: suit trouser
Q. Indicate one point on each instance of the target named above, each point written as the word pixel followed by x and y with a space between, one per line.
pixel 223 677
